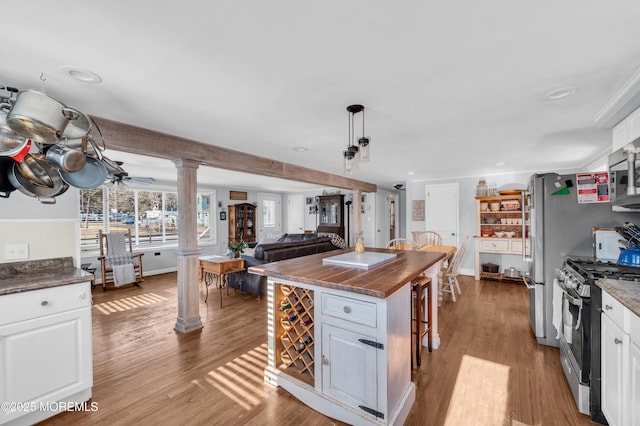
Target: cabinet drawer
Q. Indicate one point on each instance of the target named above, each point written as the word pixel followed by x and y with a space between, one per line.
pixel 47 301
pixel 613 309
pixel 494 245
pixel 354 310
pixel 516 246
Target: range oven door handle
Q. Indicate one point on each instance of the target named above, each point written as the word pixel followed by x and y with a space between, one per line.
pixel 576 301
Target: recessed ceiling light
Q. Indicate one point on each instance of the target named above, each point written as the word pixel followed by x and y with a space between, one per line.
pixel 300 149
pixel 411 173
pixel 82 75
pixel 561 92
pixel 500 164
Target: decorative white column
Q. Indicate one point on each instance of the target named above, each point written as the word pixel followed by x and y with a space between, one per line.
pixel 188 251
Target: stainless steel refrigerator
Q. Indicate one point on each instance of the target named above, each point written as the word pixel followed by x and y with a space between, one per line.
pixel 559 226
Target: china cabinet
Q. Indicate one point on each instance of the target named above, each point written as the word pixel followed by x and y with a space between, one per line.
pixel 331 214
pixel 503 228
pixel 242 222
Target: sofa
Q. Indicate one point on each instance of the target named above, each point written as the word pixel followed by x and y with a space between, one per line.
pixel 288 246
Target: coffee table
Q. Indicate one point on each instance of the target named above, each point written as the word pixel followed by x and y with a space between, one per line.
pixel 218 267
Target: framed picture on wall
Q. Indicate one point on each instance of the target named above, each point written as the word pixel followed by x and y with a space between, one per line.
pixel 223 215
pixel 417 210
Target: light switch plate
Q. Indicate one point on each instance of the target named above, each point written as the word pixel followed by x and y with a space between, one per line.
pixel 16 251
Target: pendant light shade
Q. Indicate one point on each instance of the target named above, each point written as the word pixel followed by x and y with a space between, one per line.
pixel 348 162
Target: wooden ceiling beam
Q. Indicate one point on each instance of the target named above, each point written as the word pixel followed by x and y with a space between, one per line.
pixel 137 140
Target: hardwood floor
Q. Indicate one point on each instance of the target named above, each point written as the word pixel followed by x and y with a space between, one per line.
pixel 489 369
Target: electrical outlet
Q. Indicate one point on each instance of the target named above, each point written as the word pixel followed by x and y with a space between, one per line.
pixel 16 251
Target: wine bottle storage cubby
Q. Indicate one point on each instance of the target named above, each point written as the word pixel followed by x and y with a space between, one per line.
pixel 295 331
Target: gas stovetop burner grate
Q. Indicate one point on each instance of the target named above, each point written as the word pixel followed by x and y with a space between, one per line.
pixel 591 269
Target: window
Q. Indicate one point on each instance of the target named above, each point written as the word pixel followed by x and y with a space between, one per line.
pixel 269 213
pixel 152 216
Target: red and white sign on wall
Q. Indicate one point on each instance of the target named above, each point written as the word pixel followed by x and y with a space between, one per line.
pixel 593 187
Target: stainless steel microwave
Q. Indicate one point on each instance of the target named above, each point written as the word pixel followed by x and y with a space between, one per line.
pixel 624 176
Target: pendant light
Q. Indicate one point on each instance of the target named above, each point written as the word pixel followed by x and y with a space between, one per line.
pixel 355 152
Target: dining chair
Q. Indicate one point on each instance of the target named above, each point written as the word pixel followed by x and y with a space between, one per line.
pixel 402 244
pixel 427 238
pixel 450 273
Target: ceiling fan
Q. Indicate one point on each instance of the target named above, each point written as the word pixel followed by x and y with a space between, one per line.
pixel 119 177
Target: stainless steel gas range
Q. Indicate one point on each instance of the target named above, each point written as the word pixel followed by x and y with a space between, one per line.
pixel 577 309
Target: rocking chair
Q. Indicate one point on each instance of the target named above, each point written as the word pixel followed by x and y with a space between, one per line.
pixel 118 264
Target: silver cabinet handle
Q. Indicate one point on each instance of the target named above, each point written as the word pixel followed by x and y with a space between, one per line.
pixel 325 361
pixel 347 309
pixel 44 303
pixel 617 341
pixel 82 296
pixel 608 307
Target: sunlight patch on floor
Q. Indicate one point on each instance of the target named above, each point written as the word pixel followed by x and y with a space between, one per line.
pixel 480 395
pixel 128 303
pixel 241 379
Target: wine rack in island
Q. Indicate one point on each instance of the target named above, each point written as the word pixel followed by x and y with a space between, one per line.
pixel 295 332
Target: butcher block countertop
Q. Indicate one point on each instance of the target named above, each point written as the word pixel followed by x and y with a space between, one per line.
pixel 16 277
pixel 625 292
pixel 377 281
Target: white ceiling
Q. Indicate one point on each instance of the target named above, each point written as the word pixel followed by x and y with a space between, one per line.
pixel 450 88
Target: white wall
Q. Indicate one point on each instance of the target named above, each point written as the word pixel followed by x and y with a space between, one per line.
pixel 50 230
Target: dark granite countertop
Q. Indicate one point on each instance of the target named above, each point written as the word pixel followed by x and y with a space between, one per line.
pixel 625 292
pixel 16 277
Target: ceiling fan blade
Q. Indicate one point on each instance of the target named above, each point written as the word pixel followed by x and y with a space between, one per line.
pixel 139 180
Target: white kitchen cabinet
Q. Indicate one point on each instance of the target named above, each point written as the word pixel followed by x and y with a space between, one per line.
pixel 613 354
pixel 46 353
pixel 626 131
pixel 634 385
pixel 620 358
pixel 357 365
pixel 509 246
pixel 349 367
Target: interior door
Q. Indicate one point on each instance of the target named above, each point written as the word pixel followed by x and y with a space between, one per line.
pixel 295 214
pixel 442 213
pixel 383 224
pixel 269 214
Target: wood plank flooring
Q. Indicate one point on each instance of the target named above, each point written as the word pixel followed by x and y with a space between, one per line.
pixel 489 369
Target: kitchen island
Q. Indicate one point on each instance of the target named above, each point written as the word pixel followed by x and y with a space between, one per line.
pixel 45 339
pixel 340 336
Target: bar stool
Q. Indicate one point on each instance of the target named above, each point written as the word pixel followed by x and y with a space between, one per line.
pixel 420 323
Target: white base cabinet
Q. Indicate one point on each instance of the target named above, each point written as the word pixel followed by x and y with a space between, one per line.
pixel 512 246
pixel 362 356
pixel 634 385
pixel 349 367
pixel 620 358
pixel 615 345
pixel 45 352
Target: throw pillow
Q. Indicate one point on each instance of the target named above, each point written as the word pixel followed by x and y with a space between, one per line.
pixel 336 239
